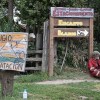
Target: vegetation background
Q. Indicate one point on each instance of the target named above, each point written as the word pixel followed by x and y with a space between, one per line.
pixel 33 13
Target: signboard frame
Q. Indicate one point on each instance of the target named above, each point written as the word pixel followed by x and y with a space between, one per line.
pixel 55 26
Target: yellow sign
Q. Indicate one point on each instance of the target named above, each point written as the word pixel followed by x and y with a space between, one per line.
pixel 60 33
pixel 64 23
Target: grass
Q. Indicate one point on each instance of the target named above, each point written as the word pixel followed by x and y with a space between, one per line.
pixel 73 91
pixel 70 73
pixel 56 92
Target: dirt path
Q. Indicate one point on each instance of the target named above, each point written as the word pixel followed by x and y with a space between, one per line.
pixel 65 81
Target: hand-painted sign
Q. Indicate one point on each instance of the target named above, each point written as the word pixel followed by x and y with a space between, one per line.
pixel 71 22
pixel 71 32
pixel 72 12
pixel 13 50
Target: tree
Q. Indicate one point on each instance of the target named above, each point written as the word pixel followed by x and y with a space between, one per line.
pixel 7 77
pixel 10 14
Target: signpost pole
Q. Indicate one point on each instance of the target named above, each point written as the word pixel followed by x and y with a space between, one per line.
pixel 7 81
pixel 91 37
pixel 51 47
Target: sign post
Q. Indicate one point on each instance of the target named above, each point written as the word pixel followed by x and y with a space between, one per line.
pixel 13 50
pixel 70 22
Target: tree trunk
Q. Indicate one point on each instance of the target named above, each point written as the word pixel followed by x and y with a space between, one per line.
pixel 7 80
pixel 27 28
pixel 10 14
pixel 8 76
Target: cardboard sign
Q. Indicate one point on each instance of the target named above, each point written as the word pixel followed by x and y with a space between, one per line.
pixel 72 12
pixel 13 50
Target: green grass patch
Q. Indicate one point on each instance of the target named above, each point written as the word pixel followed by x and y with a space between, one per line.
pixel 35 77
pixel 56 92
pixel 68 74
pixel 72 91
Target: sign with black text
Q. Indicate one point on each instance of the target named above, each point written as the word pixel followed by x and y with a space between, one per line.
pixel 13 50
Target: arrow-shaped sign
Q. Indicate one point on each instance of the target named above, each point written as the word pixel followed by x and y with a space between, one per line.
pixel 82 33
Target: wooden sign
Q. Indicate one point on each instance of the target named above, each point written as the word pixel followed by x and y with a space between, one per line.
pixel 72 12
pixel 71 32
pixel 71 22
pixel 13 49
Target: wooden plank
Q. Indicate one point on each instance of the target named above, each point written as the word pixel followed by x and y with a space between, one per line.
pixel 91 37
pixel 34 51
pixel 33 68
pixel 72 12
pixel 45 47
pixel 33 59
pixel 51 48
pixel 38 41
pixel 71 22
pixel 71 32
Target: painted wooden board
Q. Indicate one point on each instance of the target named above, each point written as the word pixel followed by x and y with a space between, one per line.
pixel 71 32
pixel 72 12
pixel 71 22
pixel 13 50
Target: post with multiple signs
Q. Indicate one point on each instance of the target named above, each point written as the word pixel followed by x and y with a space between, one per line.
pixel 13 49
pixel 70 22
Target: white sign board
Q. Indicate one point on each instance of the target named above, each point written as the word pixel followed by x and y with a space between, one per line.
pixel 13 50
pixel 72 12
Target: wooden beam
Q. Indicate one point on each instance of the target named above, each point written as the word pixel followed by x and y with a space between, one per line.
pixel 33 68
pixel 34 51
pixel 45 47
pixel 51 48
pixel 34 59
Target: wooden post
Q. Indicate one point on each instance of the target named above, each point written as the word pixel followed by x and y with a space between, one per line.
pixel 45 47
pixel 38 44
pixel 91 37
pixel 7 80
pixel 51 47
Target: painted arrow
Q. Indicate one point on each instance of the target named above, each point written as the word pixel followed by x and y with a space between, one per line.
pixel 82 33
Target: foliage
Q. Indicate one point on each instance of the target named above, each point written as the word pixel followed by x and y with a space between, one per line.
pixel 35 12
pixel 5 25
pixel 32 77
pixel 68 73
pixel 77 52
